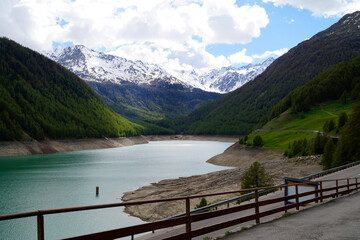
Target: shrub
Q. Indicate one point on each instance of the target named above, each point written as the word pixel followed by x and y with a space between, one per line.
pixel 243 140
pixel 256 177
pixel 329 125
pixel 202 203
pixel 342 119
pixel 286 214
pixel 343 97
pixel 258 141
pixel 328 154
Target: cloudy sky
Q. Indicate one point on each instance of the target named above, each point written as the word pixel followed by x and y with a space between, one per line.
pixel 178 34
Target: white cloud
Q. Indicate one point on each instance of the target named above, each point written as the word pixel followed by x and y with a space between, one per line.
pixel 267 54
pixel 159 30
pixel 188 56
pixel 227 23
pixel 241 57
pixel 325 8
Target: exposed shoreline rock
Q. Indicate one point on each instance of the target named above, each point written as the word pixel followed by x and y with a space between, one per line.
pixel 17 148
pixel 237 156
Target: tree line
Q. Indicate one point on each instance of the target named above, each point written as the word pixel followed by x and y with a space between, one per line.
pixel 39 99
pixel 334 83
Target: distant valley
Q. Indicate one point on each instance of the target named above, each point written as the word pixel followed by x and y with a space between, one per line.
pixel 143 91
pixel 155 100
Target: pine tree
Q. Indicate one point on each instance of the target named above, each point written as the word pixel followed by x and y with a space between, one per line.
pixel 317 144
pixel 329 125
pixel 342 119
pixel 326 126
pixel 202 203
pixel 256 177
pixel 343 97
pixel 328 154
pixel 258 141
pixel 348 149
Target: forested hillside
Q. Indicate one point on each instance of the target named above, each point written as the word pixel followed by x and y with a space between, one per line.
pixel 340 79
pixel 240 111
pixel 39 99
pixel 149 102
pixel 318 118
pixel 137 90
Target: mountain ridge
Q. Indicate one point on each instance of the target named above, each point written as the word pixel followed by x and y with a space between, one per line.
pixel 238 112
pixel 102 67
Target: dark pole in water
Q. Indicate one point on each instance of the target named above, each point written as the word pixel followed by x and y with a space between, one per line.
pixel 97 191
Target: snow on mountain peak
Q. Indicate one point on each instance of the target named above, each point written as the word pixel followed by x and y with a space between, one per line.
pixel 101 67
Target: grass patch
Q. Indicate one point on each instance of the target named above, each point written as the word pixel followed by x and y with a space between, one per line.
pixel 286 214
pixel 279 140
pixel 288 127
pixel 311 120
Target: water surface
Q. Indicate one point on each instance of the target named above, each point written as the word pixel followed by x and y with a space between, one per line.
pixel 29 183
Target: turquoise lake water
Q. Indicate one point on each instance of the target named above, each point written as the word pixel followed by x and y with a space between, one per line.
pixel 29 183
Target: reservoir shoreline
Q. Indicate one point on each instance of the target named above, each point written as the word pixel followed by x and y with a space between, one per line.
pixel 237 156
pixel 17 148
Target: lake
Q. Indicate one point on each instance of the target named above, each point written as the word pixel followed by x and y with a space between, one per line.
pixel 60 180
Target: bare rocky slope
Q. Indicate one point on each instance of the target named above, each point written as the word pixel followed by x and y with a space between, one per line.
pixel 237 156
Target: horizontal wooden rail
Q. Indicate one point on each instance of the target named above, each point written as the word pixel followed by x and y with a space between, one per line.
pixel 348 185
pixel 203 216
pixel 129 231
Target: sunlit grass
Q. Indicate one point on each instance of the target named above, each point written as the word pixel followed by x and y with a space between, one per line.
pixel 288 126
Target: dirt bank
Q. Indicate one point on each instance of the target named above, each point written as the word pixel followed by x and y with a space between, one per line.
pixel 217 138
pixel 236 156
pixel 241 156
pixel 16 148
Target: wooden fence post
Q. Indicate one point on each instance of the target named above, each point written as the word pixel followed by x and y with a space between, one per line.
pixel 40 227
pixel 188 222
pixel 356 181
pixel 321 192
pixel 297 196
pixel 337 188
pixel 257 207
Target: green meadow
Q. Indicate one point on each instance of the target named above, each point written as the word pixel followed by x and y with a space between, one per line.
pixel 288 127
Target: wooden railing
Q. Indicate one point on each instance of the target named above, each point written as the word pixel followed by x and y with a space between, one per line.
pixel 336 189
pixel 227 202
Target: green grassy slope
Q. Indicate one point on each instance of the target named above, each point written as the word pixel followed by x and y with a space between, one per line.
pixel 39 99
pixel 304 111
pixel 289 127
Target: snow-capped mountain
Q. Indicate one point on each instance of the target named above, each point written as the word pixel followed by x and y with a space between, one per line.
pixel 100 67
pixel 222 80
pixel 227 79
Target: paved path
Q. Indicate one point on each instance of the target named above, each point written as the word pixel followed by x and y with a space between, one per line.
pixel 336 219
pixel 347 173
